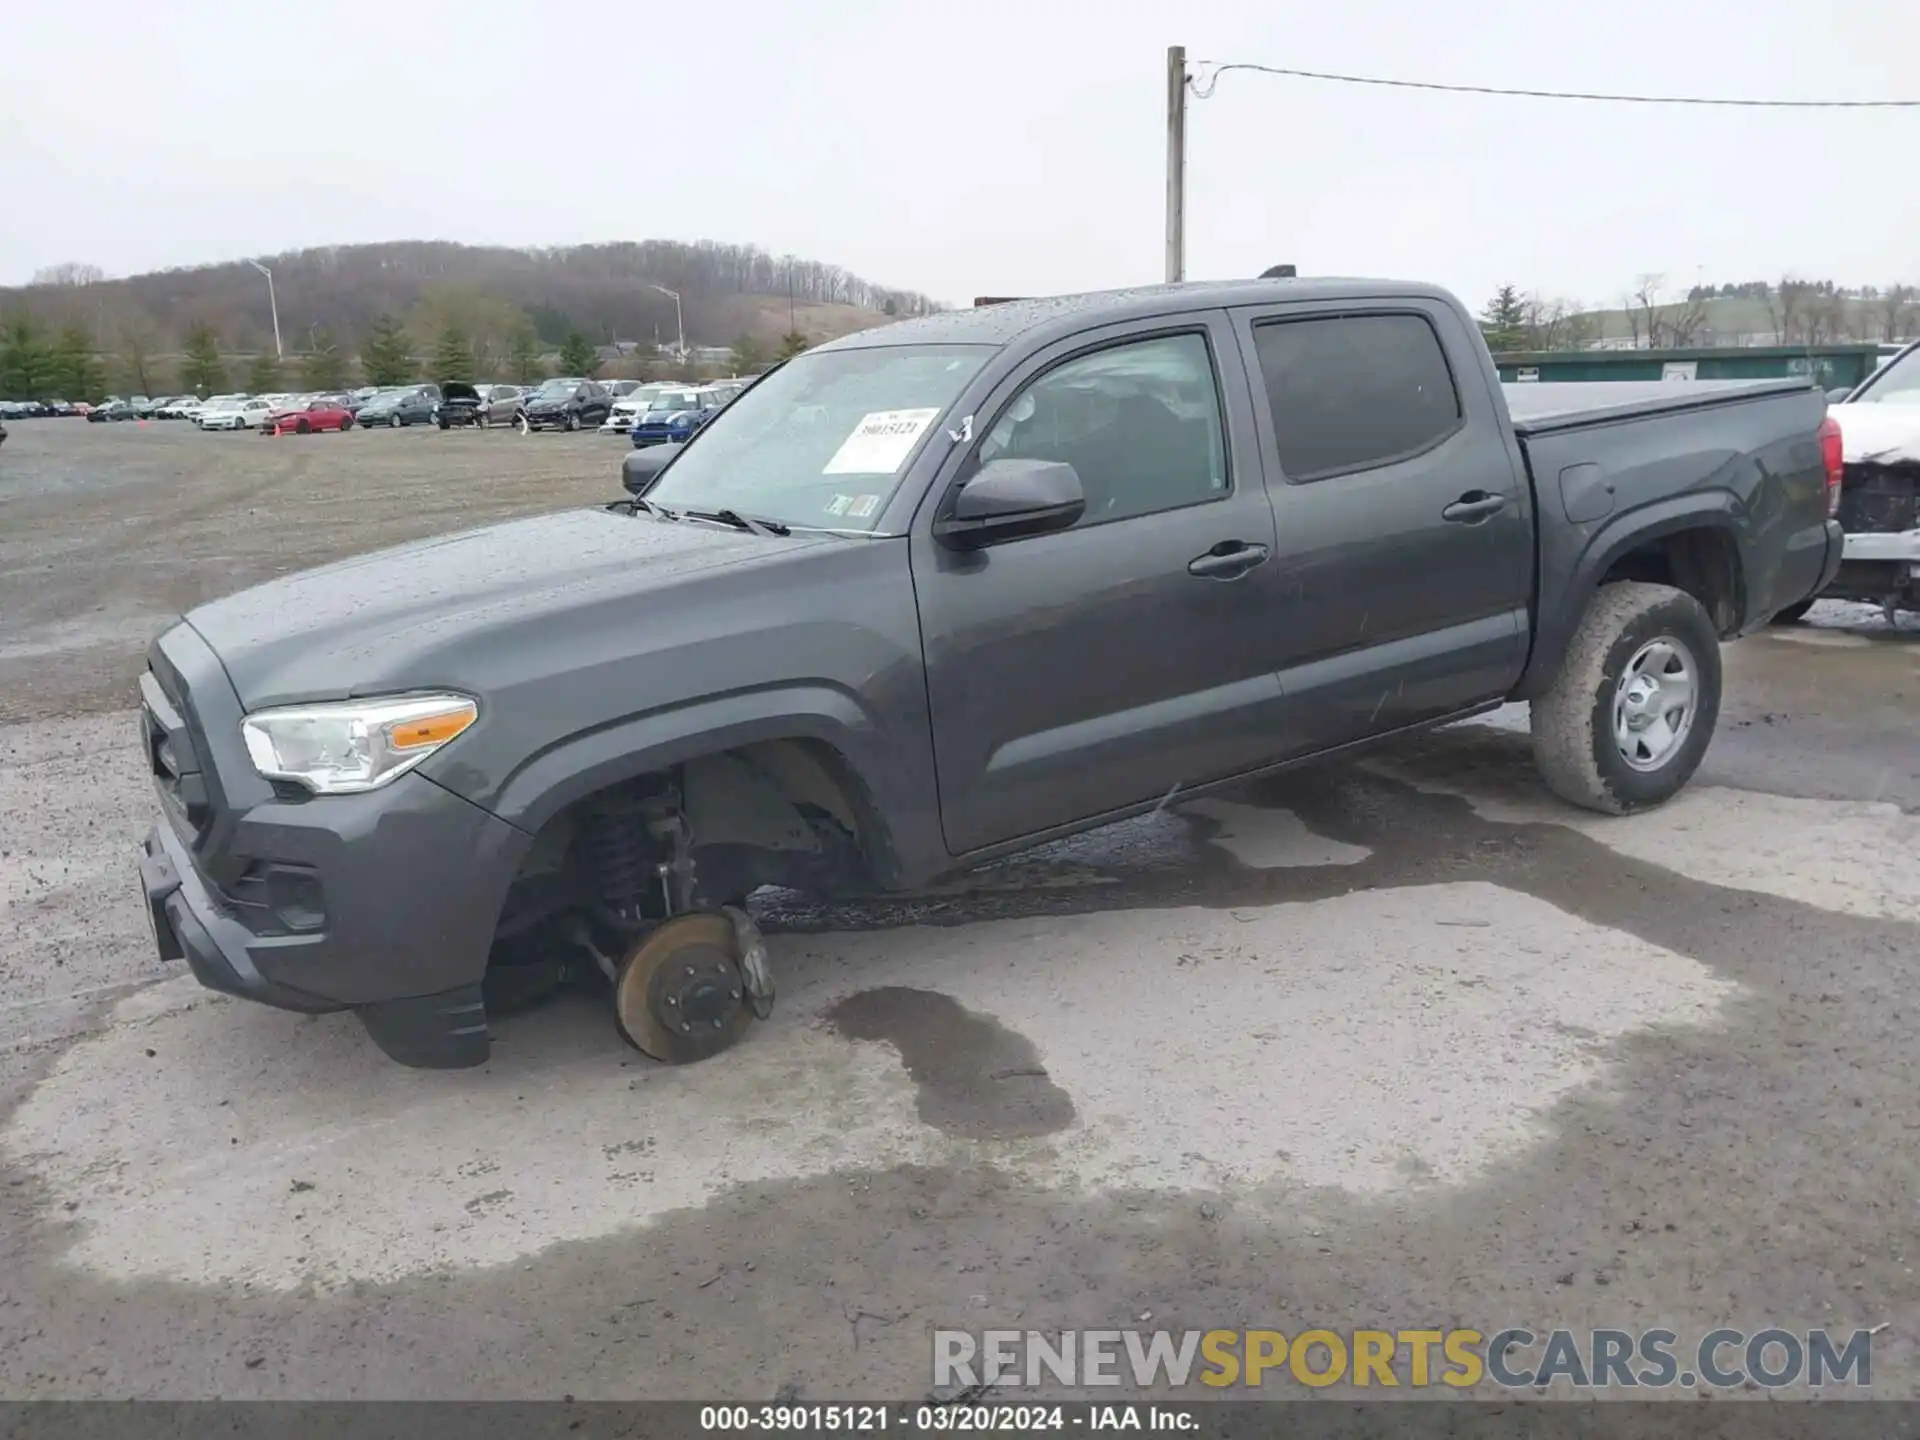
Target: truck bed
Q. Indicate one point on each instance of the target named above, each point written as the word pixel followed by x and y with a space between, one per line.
pixel 1540 409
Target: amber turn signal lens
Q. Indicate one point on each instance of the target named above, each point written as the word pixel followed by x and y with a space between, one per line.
pixel 423 730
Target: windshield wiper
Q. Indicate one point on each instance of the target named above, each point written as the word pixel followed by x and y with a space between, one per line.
pixel 635 505
pixel 741 522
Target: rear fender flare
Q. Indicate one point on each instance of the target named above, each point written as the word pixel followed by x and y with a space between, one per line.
pixel 1559 616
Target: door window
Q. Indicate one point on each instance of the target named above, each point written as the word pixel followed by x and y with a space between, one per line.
pixel 1351 392
pixel 1139 423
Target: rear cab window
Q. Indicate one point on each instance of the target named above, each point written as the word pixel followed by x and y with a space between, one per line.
pixel 1354 392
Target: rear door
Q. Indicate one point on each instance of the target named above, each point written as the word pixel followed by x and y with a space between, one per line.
pixel 1082 671
pixel 1405 529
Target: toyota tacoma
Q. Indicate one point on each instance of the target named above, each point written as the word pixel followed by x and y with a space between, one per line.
pixel 933 593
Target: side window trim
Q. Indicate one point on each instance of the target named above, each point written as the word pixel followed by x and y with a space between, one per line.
pixel 1263 407
pixel 1175 327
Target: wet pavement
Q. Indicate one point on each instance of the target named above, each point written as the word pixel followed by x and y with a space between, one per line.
pixel 1402 1043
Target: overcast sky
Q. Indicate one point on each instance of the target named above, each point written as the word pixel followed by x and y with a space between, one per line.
pixel 990 147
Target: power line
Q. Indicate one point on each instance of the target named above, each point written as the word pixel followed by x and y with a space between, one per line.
pixel 1205 91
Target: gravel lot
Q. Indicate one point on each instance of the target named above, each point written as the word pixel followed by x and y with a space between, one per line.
pixel 1392 1045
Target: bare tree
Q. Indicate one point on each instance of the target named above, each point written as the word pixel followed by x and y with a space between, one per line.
pixel 1633 318
pixel 1787 305
pixel 1896 311
pixel 73 272
pixel 1686 323
pixel 136 357
pixel 1646 296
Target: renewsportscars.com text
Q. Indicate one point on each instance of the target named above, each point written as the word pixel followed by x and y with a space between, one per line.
pixel 1512 1358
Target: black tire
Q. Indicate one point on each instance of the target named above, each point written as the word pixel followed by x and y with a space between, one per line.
pixel 1793 614
pixel 1574 723
pixel 573 420
pixel 443 422
pixel 304 428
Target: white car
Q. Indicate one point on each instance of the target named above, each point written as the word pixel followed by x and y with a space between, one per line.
pixel 234 414
pixel 1879 501
pixel 632 405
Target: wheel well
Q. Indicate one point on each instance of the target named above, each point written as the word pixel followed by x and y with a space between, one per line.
pixel 712 828
pixel 1702 561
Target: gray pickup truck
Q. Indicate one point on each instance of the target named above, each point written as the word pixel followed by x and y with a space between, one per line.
pixel 937 592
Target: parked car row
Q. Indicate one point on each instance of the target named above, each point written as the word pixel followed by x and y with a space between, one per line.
pixel 654 413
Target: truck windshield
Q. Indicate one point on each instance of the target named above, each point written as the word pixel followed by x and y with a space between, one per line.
pixel 821 441
pixel 1897 383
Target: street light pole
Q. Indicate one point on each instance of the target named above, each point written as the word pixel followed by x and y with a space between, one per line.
pixel 274 305
pixel 679 324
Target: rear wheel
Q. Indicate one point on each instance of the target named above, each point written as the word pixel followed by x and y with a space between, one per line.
pixel 1633 708
pixel 1793 614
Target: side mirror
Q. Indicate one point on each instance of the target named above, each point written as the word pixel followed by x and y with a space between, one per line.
pixel 642 467
pixel 1006 499
pixel 1838 393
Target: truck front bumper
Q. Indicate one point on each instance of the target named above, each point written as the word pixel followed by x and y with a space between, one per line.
pixel 383 903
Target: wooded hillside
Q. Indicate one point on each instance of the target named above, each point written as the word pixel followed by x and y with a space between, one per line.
pixel 600 291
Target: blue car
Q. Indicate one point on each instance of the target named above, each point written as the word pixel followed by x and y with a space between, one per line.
pixel 674 416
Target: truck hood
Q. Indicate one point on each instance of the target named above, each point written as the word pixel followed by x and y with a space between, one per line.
pixel 437 612
pixel 1884 434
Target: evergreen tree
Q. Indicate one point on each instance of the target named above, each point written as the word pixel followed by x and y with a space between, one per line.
pixel 523 357
pixel 386 353
pixel 263 375
pixel 791 344
pixel 1504 321
pixel 577 356
pixel 202 371
pixel 324 367
pixel 77 373
pixel 454 359
pixel 26 361
pixel 748 357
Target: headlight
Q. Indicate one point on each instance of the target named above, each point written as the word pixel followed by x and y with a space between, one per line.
pixel 356 745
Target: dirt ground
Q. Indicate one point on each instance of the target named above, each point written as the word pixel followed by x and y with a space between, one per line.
pixel 1393 1045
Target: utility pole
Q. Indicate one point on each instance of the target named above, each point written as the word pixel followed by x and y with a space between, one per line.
pixel 274 306
pixel 1176 164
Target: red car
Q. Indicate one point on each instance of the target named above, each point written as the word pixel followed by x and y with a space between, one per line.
pixel 326 413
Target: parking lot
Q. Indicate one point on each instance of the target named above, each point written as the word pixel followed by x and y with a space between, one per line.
pixel 1402 1043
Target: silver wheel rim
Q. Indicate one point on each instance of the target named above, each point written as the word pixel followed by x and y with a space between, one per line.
pixel 1655 702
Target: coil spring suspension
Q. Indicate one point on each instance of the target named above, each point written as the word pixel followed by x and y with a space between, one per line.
pixel 618 857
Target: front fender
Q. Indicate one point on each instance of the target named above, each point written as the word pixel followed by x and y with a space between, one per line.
pixel 891 812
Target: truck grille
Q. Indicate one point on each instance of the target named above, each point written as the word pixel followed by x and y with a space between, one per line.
pixel 1879 499
pixel 174 760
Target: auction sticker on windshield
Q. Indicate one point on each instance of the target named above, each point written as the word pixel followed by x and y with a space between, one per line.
pixel 880 442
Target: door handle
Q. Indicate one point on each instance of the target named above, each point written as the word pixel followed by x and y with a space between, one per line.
pixel 1473 507
pixel 1228 560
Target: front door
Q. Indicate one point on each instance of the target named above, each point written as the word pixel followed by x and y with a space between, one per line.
pixel 1083 671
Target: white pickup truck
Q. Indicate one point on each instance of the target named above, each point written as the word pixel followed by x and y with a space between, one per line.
pixel 1880 490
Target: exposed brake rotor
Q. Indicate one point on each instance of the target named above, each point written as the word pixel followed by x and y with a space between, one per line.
pixel 680 996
